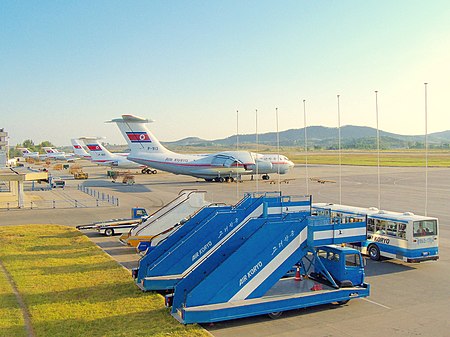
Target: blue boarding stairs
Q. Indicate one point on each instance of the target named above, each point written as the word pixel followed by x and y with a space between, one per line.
pixel 213 229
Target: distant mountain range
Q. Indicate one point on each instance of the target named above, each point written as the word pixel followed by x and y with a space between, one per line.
pixel 320 137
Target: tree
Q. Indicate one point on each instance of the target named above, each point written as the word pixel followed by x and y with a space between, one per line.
pixel 29 144
pixel 46 143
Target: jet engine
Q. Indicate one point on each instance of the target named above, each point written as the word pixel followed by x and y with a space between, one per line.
pixel 264 166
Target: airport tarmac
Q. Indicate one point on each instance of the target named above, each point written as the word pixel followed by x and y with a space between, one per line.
pixel 406 299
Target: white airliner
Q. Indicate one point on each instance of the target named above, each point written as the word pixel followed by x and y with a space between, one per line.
pixel 101 156
pixel 79 150
pixel 52 153
pixel 221 166
pixel 26 153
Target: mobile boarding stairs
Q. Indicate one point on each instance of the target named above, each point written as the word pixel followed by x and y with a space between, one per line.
pixel 228 262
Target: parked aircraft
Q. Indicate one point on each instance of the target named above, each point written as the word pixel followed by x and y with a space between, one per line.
pixel 52 153
pixel 101 156
pixel 26 153
pixel 221 166
pixel 78 149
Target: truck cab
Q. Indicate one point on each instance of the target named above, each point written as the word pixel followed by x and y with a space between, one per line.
pixel 138 212
pixel 346 265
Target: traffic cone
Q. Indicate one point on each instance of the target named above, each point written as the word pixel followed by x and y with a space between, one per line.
pixel 298 277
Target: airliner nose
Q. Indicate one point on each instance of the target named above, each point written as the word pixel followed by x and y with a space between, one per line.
pixel 290 164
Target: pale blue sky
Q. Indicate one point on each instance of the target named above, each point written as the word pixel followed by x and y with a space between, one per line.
pixel 67 66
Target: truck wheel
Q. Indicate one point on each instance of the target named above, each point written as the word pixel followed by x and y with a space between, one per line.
pixel 342 302
pixel 109 232
pixel 275 315
pixel 374 252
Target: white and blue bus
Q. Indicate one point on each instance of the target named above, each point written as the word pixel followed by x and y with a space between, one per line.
pixel 403 236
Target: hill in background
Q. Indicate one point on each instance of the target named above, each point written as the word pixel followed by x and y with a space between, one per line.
pixel 320 137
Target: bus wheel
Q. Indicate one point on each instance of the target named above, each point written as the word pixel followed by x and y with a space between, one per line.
pixel 374 252
pixel 109 232
pixel 275 315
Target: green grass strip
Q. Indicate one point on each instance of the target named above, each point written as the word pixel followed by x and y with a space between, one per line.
pixel 11 318
pixel 72 288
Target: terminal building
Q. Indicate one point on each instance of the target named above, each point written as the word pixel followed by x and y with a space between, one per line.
pixel 11 181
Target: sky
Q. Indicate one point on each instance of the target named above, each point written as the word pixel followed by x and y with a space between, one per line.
pixel 66 67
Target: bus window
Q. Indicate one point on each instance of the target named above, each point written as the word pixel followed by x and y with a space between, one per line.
pixel 337 218
pixel 322 253
pixel 370 225
pixel 391 228
pixel 352 260
pixel 425 227
pixel 380 227
pixel 401 231
pixel 323 212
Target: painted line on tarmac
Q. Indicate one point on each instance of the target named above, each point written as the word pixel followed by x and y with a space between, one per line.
pixel 381 305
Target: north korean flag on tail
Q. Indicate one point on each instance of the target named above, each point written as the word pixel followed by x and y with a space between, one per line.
pixel 77 146
pixel 93 147
pixel 138 137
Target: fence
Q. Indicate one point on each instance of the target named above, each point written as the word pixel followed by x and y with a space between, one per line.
pixel 101 196
pixel 48 204
pixel 98 199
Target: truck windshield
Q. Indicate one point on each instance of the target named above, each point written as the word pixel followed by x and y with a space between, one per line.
pixel 352 260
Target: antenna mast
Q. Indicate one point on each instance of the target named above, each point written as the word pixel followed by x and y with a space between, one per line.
pixel 257 150
pixel 426 151
pixel 237 149
pixel 378 151
pixel 306 147
pixel 339 146
pixel 278 152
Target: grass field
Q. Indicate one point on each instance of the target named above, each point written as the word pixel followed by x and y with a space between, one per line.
pixel 72 288
pixel 400 158
pixel 436 158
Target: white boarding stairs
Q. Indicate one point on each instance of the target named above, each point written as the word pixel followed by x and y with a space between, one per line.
pixel 186 204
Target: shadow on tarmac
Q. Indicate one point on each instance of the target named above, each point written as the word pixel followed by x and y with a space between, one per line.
pixel 117 186
pixel 265 318
pixel 383 267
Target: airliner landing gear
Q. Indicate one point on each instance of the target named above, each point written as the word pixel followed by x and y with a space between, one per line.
pixel 221 179
pixel 265 177
pixel 147 170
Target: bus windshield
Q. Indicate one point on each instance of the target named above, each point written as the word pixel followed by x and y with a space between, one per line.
pixel 425 227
